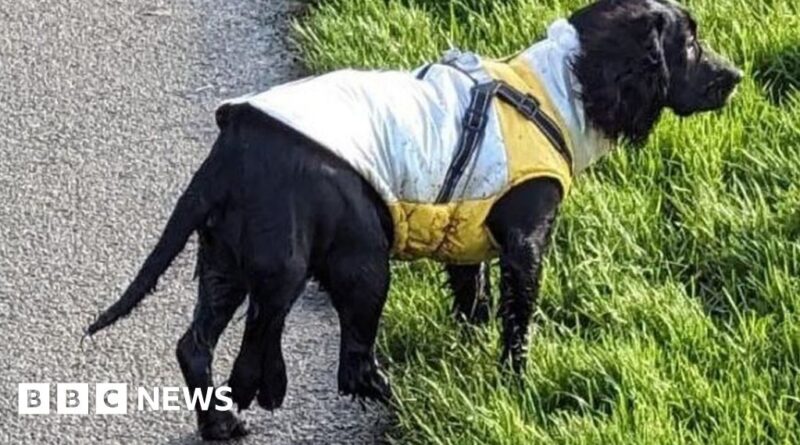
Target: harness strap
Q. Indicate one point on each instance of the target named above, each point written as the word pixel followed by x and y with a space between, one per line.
pixel 473 126
pixel 424 71
pixel 529 107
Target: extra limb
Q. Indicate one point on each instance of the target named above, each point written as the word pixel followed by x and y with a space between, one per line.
pixel 220 293
pixel 358 282
pixel 259 366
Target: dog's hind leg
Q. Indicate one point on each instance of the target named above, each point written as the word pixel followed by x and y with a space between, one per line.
pixel 220 293
pixel 358 282
pixel 471 288
pixel 260 367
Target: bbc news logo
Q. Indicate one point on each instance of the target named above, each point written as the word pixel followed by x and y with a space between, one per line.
pixel 112 398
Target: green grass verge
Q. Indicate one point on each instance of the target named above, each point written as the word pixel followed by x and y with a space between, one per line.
pixel 670 310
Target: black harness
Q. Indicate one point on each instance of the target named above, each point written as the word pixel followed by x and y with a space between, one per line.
pixel 473 126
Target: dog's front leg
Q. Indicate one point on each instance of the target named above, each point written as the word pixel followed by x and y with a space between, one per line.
pixel 520 264
pixel 521 222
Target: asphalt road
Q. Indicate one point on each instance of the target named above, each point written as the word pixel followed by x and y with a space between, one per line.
pixel 106 107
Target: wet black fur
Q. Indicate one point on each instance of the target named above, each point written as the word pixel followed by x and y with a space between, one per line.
pixel 273 209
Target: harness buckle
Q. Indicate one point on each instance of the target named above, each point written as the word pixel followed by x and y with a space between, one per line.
pixel 528 106
pixel 473 119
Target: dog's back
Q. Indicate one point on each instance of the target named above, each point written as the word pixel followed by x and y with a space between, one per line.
pixel 269 194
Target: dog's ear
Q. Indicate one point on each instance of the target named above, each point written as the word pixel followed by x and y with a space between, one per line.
pixel 622 69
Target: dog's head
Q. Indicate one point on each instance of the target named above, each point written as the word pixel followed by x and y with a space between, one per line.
pixel 640 56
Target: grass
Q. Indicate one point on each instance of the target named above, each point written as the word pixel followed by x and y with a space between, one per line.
pixel 670 310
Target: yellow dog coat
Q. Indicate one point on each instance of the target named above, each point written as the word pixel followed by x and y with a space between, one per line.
pixel 400 131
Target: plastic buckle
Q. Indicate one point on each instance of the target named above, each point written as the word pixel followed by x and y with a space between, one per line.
pixel 473 120
pixel 528 106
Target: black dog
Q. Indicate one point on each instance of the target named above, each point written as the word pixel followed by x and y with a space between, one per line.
pixel 274 208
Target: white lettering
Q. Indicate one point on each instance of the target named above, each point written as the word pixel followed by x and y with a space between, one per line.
pixel 111 398
pixel 143 395
pixel 72 398
pixel 192 397
pixel 169 399
pixel 223 396
pixel 33 398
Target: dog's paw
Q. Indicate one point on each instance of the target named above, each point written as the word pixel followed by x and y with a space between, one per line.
pixel 221 425
pixel 273 387
pixel 363 379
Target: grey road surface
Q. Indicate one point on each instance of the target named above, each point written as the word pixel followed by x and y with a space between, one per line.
pixel 106 107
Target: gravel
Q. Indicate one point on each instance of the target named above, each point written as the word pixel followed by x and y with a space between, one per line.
pixel 107 108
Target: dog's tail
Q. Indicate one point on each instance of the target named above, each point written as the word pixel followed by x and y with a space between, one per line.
pixel 204 193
